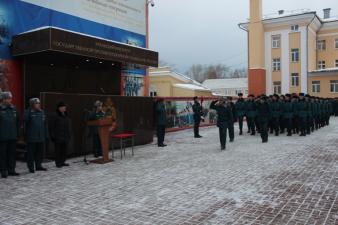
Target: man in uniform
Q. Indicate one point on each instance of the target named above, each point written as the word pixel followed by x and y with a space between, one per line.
pixel 9 132
pixel 161 122
pixel 97 114
pixel 36 134
pixel 223 120
pixel 231 126
pixel 198 111
pixel 263 114
pixel 240 109
pixel 288 112
pixel 275 107
pixel 251 113
pixel 302 111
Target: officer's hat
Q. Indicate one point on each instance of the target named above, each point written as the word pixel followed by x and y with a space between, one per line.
pixel 307 95
pixel 240 94
pixel 251 95
pixel 34 101
pixel 301 94
pixel 98 104
pixel 6 95
pixel 195 98
pixel 288 95
pixel 61 104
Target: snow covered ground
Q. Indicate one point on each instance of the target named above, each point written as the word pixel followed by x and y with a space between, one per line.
pixel 290 180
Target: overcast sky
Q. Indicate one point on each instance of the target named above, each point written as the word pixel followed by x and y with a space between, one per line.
pixel 187 32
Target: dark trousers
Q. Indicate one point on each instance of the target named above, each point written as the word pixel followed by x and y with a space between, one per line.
pixel 223 136
pixel 7 156
pixel 34 155
pixel 196 128
pixel 288 124
pixel 240 123
pixel 302 125
pixel 275 125
pixel 251 123
pixel 231 129
pixel 97 145
pixel 263 128
pixel 60 153
pixel 160 134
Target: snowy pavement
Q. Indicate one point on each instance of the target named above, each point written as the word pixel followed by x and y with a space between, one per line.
pixel 290 180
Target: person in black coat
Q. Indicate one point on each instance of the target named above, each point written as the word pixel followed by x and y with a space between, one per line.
pixel 231 126
pixel 263 114
pixel 224 119
pixel 9 132
pixel 60 133
pixel 161 122
pixel 198 111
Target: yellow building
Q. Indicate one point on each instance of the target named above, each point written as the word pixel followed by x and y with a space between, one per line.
pixel 292 52
pixel 164 82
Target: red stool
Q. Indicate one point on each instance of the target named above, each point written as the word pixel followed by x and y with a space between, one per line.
pixel 124 138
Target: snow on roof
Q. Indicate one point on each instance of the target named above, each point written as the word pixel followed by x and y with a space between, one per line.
pixel 287 13
pixel 192 87
pixel 166 71
pixel 332 19
pixel 226 83
pixel 334 69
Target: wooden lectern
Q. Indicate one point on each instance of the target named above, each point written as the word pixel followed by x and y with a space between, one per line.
pixel 103 126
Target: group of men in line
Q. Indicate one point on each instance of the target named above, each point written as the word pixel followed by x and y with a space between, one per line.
pixel 37 130
pixel 291 114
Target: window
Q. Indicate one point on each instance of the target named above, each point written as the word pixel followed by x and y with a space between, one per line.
pixel 277 88
pixel 334 86
pixel 276 41
pixel 295 55
pixel 246 92
pixel 315 86
pixel 336 43
pixel 153 94
pixel 336 63
pixel 294 27
pixel 276 64
pixel 321 65
pixel 321 45
pixel 294 79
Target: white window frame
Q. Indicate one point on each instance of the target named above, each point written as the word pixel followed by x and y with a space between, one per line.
pixel 336 43
pixel 276 41
pixel 295 55
pixel 321 45
pixel 277 87
pixel 295 27
pixel 321 65
pixel 316 86
pixel 276 65
pixel 334 86
pixel 295 79
pixel 336 63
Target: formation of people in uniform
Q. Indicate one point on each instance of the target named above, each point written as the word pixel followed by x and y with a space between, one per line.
pixel 288 114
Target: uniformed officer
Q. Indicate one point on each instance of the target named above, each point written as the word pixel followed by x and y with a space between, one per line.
pixel 240 109
pixel 9 132
pixel 231 126
pixel 36 134
pixel 288 113
pixel 263 115
pixel 302 111
pixel 251 113
pixel 161 122
pixel 198 112
pixel 223 120
pixel 276 113
pixel 96 114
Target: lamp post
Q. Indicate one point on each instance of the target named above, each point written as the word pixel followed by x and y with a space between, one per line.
pixel 146 80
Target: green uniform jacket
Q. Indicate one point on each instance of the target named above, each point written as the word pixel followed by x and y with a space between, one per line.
pixel 288 110
pixel 36 129
pixel 276 109
pixel 302 108
pixel 240 107
pixel 9 123
pixel 250 109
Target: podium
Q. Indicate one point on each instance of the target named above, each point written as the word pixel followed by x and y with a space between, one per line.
pixel 103 126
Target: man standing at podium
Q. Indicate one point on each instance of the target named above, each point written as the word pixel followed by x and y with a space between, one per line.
pixel 97 114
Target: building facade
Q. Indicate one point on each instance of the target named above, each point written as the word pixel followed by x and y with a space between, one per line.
pixel 87 47
pixel 292 52
pixel 228 87
pixel 164 82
